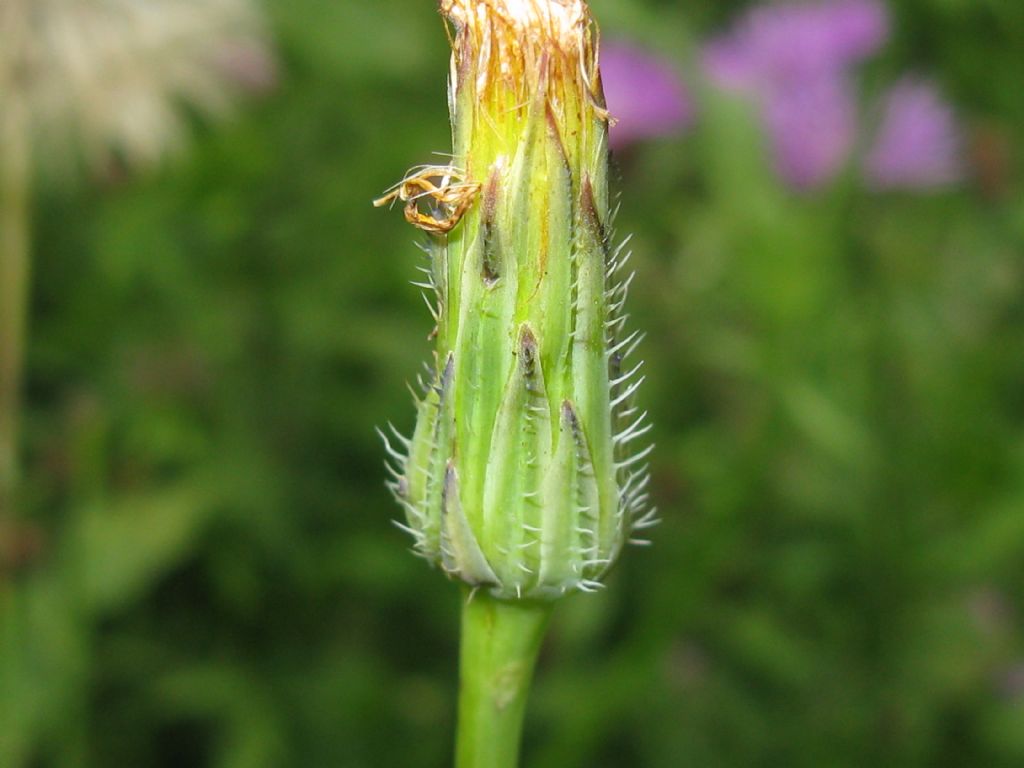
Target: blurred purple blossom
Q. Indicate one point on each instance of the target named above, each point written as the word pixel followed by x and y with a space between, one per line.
pixel 645 94
pixel 780 46
pixel 812 129
pixel 794 60
pixel 917 145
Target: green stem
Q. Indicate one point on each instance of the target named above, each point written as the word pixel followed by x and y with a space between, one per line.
pixel 14 281
pixel 500 641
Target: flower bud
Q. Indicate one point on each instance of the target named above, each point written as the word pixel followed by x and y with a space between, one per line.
pixel 521 476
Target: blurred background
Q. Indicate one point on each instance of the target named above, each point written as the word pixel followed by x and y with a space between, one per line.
pixel 827 208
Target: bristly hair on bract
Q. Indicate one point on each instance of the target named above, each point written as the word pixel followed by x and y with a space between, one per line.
pixel 521 476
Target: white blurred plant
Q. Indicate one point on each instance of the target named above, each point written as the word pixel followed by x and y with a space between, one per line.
pixel 95 84
pixel 116 79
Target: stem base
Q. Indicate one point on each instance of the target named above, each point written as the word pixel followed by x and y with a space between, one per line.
pixel 500 642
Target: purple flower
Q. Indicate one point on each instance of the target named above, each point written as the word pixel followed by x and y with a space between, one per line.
pixel 794 60
pixel 917 145
pixel 645 95
pixel 780 45
pixel 857 28
pixel 812 130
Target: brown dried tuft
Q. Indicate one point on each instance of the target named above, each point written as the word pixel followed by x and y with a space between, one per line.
pixel 520 45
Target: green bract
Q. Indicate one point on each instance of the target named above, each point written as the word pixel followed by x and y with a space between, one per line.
pixel 521 476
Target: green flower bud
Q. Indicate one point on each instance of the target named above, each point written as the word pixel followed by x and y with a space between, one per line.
pixel 522 475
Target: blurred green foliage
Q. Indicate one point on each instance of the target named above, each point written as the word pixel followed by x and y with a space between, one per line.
pixel 207 575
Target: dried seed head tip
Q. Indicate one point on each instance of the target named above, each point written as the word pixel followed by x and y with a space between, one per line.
pixel 561 22
pixel 517 45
